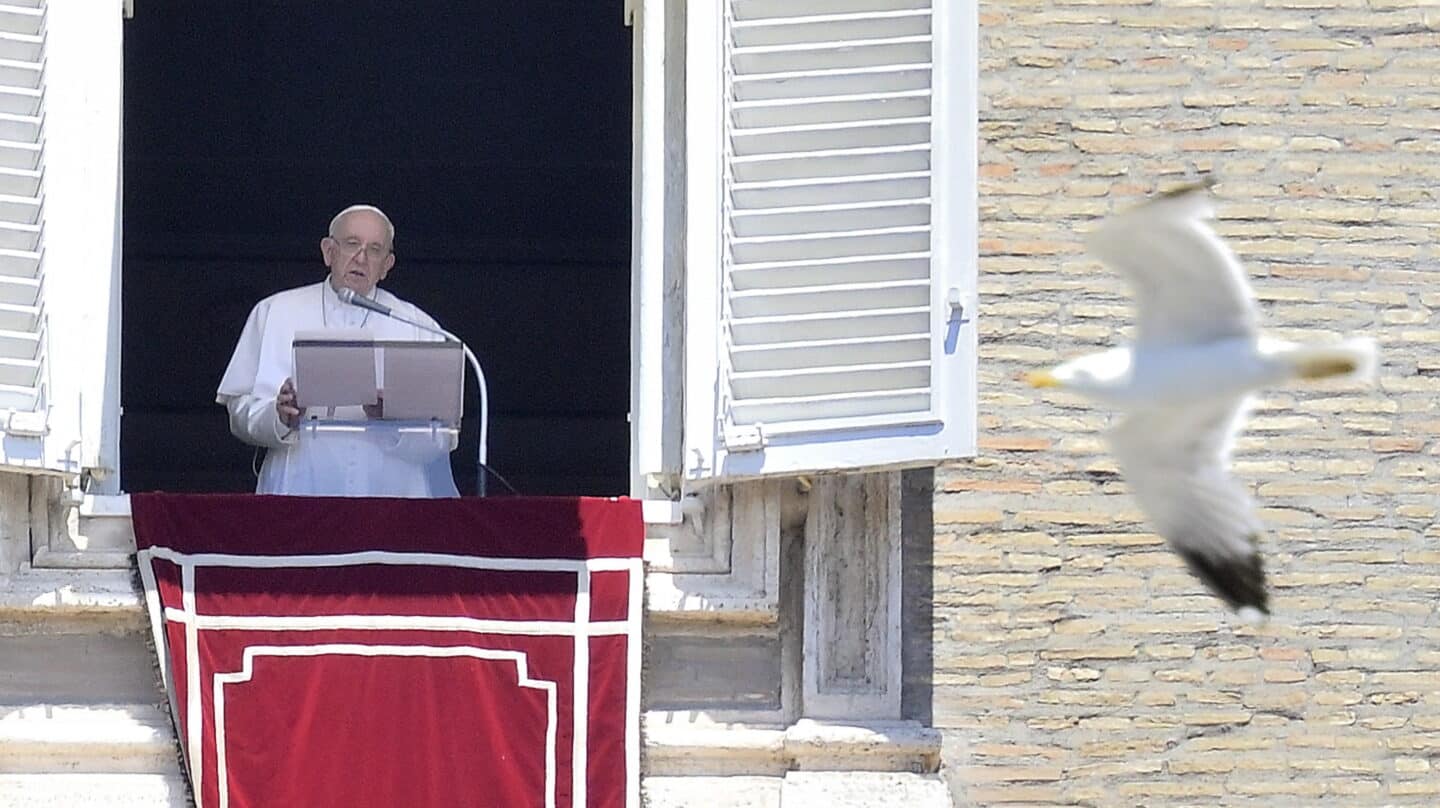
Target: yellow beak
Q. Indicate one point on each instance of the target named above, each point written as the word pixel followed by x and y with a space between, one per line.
pixel 1042 378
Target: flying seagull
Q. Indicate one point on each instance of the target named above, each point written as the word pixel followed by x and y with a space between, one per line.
pixel 1183 385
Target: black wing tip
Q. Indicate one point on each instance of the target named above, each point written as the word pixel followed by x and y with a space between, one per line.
pixel 1240 582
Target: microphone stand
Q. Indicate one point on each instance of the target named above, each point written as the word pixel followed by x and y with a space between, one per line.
pixel 348 296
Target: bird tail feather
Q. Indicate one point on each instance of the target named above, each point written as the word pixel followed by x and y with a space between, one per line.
pixel 1355 358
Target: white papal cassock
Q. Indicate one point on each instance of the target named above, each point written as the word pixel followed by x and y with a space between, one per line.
pixel 337 464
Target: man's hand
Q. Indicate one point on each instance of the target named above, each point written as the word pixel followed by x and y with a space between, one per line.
pixel 285 405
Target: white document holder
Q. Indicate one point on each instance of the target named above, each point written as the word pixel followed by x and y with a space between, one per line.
pixel 348 381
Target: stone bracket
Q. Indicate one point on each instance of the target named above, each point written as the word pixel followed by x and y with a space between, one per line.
pixel 722 562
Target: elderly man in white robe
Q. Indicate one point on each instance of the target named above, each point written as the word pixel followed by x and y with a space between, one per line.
pixel 258 389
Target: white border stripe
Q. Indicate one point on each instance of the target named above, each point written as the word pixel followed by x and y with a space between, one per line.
pixel 396 622
pixel 387 557
pixel 192 684
pixel 632 684
pixel 247 672
pixel 580 699
pixel 581 629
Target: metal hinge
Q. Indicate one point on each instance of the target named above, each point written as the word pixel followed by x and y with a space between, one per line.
pixel 747 438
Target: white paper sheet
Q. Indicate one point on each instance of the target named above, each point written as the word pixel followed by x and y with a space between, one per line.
pixel 422 381
pixel 335 368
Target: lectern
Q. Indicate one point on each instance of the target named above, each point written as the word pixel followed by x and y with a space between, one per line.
pixel 380 417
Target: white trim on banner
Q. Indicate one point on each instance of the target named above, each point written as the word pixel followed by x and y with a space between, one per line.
pixel 247 672
pixel 581 629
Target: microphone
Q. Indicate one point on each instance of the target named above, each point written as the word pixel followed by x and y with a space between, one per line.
pixel 347 295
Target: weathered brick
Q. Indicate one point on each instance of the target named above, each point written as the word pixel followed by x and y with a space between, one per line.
pixel 1413 788
pixel 1315 115
pixel 1202 764
pixel 1094 651
pixel 1014 793
pixel 1282 788
pixel 1011 774
pixel 1171 789
pixel 1206 719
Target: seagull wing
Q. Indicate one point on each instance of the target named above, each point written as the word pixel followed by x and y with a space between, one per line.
pixel 1189 287
pixel 1176 462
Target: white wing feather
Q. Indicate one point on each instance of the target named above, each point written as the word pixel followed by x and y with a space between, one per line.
pixel 1176 462
pixel 1189 287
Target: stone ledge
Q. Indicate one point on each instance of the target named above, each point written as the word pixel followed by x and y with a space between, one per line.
pixel 98 739
pixel 33 598
pixel 696 748
pixel 798 790
pixel 741 791
pixel 864 790
pixel 93 791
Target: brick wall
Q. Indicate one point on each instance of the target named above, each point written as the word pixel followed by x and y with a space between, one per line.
pixel 1076 661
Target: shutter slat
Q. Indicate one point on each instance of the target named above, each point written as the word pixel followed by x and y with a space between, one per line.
pixel 17 397
pixel 830 381
pixel 824 84
pixel 876 18
pixel 20 47
pixel 835 109
pixel 19 74
pixel 18 154
pixel 819 190
pixel 21 209
pixel 822 32
pixel 813 411
pixel 19 127
pixel 832 163
pixel 812 246
pixel 14 236
pixel 903 132
pixel 19 291
pixel 19 181
pixel 819 56
pixel 829 298
pixel 762 291
pixel 830 325
pixel 18 372
pixel 19 263
pixel 19 101
pixel 833 218
pixel 18 318
pixel 834 352
pixel 21 20
pixel 754 10
pixel 780 275
pixel 19 344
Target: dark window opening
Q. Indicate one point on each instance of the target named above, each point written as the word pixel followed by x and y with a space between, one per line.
pixel 496 136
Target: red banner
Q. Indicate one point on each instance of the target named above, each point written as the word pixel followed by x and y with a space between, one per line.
pixel 386 652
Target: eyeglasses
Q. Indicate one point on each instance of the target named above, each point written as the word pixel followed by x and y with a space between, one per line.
pixel 352 245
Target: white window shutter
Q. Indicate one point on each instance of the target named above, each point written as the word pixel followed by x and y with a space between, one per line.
pixel 60 98
pixel 831 235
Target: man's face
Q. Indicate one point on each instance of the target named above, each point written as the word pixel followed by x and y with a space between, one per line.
pixel 358 254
